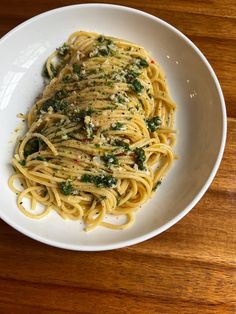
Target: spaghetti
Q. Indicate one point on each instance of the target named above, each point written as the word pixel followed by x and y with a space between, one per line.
pixel 101 137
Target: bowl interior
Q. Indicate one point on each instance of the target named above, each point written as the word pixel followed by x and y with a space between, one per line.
pixel 200 117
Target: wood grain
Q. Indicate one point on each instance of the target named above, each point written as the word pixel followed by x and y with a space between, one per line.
pixel 191 268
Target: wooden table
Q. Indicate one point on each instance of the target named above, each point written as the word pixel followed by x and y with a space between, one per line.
pixel 188 269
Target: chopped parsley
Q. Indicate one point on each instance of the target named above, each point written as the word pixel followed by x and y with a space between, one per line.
pixel 45 72
pixel 131 78
pixel 117 126
pixel 110 160
pixel 89 130
pixel 78 116
pixel 53 69
pixel 60 94
pixel 22 162
pixel 156 186
pixel 131 75
pixel 104 48
pixel 110 84
pixel 137 86
pixel 104 41
pixel 40 158
pixel 76 69
pixel 154 123
pixel 140 157
pixel 142 63
pixel 67 79
pixel 122 144
pixel 66 187
pixel 56 102
pixel 101 39
pixel 103 181
pixel 104 51
pixel 121 98
pixel 63 50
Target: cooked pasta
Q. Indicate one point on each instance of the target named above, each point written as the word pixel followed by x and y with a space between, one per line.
pixel 100 138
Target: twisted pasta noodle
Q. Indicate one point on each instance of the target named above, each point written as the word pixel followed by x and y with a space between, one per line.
pixel 101 137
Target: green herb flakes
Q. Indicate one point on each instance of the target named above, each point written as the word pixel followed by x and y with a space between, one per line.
pixel 63 50
pixel 110 160
pixel 154 123
pixel 137 86
pixel 117 126
pixel 79 116
pixel 66 188
pixel 22 162
pixel 156 186
pixel 56 102
pixel 40 158
pixel 122 144
pixel 140 158
pixel 76 69
pixel 101 181
pixel 142 63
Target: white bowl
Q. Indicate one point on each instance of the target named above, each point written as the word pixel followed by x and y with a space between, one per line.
pixel 200 118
